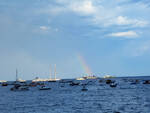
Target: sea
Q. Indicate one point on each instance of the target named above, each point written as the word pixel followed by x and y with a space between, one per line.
pixel 126 97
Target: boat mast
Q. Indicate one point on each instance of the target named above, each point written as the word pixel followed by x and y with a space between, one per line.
pixel 50 73
pixel 55 72
pixel 16 75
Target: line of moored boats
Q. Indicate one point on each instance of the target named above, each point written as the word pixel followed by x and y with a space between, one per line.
pixel 24 86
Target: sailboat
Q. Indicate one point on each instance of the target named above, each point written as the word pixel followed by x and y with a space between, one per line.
pixel 18 79
pixel 18 86
pixel 53 79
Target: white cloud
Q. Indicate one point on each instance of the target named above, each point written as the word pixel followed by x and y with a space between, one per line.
pixel 128 34
pixel 44 28
pixel 84 7
pixel 103 14
pixel 121 20
pixel 47 28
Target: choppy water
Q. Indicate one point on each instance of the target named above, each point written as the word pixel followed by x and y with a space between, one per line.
pixel 125 98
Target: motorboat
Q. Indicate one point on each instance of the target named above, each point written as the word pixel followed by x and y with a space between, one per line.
pixel 43 87
pixel 84 88
pixel 146 82
pixel 101 81
pixel 4 84
pixel 74 84
pixel 133 82
pixel 108 81
pixel 113 84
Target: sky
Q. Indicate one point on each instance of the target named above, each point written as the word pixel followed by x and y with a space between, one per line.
pixel 82 37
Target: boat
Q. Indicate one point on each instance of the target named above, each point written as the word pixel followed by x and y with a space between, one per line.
pixel 146 82
pixel 109 81
pixel 84 88
pixel 90 77
pixel 33 84
pixel 18 87
pixel 4 84
pixel 101 81
pixel 21 81
pixel 43 87
pixel 37 79
pixel 65 81
pixel 1 81
pixel 108 76
pixel 113 84
pixel 53 79
pixel 18 80
pixel 62 85
pixel 133 82
pixel 81 78
pixel 74 84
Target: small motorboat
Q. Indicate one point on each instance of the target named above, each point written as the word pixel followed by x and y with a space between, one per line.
pixel 43 87
pixel 135 82
pixel 113 85
pixel 4 84
pixel 146 82
pixel 100 81
pixel 109 81
pixel 74 84
pixel 62 85
pixel 84 88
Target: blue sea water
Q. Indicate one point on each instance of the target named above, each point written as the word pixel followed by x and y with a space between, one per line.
pixel 100 98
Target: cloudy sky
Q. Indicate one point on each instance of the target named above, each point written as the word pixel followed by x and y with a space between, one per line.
pixel 79 36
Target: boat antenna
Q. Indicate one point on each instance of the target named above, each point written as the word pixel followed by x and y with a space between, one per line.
pixel 55 72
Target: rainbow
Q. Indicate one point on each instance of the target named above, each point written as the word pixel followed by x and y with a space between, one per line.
pixel 84 64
